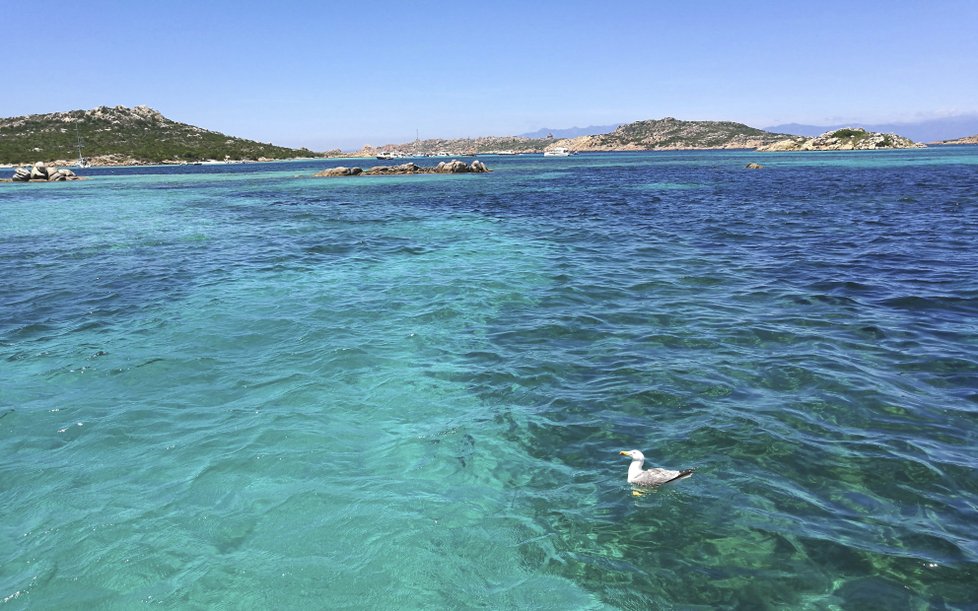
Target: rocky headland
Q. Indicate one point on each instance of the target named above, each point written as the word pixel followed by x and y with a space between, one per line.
pixel 118 135
pixel 965 140
pixel 445 167
pixel 846 139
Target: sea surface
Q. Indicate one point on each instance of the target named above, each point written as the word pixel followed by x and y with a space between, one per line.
pixel 242 387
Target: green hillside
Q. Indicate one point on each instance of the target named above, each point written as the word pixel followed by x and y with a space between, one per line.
pixel 140 134
pixel 670 132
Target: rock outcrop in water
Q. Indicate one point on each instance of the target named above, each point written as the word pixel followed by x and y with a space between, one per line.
pixel 451 167
pixel 42 172
pixel 848 139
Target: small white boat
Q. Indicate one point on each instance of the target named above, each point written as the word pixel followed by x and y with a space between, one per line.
pixel 557 151
pixel 82 162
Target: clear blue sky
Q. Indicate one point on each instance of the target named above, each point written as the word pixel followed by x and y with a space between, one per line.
pixel 327 75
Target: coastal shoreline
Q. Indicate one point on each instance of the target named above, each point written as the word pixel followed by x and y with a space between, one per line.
pixel 272 162
pixel 140 136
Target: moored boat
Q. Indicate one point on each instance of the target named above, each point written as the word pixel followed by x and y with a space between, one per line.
pixel 557 151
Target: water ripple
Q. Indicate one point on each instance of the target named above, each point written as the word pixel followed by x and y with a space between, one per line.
pixel 249 388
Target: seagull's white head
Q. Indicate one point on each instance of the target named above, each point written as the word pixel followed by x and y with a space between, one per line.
pixel 633 454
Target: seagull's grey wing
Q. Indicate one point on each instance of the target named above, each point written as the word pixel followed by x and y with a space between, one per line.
pixel 657 476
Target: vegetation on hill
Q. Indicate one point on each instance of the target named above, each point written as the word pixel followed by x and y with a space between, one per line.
pixel 139 134
pixel 854 135
pixel 670 133
pixel 845 139
pixel 849 133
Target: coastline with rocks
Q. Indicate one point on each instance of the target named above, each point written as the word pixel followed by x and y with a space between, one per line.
pixel 141 136
pixel 965 140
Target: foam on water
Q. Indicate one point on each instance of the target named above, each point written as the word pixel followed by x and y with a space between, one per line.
pixel 242 387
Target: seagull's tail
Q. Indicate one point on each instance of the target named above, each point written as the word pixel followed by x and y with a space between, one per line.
pixel 682 475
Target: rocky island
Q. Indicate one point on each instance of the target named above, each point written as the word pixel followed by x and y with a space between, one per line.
pixel 672 134
pixel 965 140
pixel 846 139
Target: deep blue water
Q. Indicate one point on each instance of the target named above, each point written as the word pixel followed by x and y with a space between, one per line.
pixel 242 387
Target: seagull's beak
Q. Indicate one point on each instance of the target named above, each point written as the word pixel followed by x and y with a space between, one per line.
pixel 624 453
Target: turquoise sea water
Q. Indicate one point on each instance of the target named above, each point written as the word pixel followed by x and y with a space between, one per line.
pixel 241 387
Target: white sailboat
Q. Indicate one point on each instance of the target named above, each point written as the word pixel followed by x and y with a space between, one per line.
pixel 82 162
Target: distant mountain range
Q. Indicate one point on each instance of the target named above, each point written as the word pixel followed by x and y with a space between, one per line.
pixel 571 132
pixel 121 135
pixel 931 130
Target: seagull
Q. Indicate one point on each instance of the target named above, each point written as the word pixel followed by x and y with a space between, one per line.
pixel 650 477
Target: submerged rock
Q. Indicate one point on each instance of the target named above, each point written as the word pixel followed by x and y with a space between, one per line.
pixel 753 166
